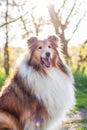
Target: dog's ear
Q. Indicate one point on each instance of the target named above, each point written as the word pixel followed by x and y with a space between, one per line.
pixel 32 40
pixel 7 121
pixel 54 40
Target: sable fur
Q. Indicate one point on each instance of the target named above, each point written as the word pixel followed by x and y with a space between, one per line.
pixel 39 91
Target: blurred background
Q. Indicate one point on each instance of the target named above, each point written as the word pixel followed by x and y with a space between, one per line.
pixel 20 19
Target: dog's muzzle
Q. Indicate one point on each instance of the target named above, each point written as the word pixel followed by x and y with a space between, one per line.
pixel 46 60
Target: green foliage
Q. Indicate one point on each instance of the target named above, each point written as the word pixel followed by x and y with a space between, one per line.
pixel 2 77
pixel 82 57
pixel 78 57
pixel 83 51
pixel 81 90
pixel 82 128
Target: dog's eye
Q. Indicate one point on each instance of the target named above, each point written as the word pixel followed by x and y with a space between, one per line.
pixel 49 46
pixel 40 47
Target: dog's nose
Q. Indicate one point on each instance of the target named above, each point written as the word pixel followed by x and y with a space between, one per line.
pixel 47 54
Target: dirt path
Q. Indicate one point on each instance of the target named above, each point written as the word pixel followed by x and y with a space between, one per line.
pixel 74 121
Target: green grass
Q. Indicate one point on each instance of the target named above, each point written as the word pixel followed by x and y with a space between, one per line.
pixel 77 125
pixel 82 128
pixel 81 90
pixel 82 123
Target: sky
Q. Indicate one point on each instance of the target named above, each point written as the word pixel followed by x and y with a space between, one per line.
pixel 79 37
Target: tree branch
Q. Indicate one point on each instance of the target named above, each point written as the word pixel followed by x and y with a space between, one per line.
pixel 80 4
pixel 14 3
pixel 62 6
pixel 21 18
pixel 71 11
pixel 77 25
pixel 13 20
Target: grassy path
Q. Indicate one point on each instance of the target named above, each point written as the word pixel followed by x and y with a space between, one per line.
pixel 76 121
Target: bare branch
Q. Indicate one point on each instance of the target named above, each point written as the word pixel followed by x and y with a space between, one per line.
pixel 79 5
pixel 22 19
pixel 71 11
pixel 13 20
pixel 62 6
pixel 77 25
pixel 18 4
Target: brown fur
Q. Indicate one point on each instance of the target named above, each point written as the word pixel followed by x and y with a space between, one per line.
pixel 20 104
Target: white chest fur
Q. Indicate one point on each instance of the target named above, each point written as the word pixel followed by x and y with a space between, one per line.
pixel 55 90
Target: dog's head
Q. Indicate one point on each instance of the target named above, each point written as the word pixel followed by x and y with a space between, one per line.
pixel 44 54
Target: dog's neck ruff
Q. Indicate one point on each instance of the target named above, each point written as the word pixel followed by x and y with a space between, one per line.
pixel 52 89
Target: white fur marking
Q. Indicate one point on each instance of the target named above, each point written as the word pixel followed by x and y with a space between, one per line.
pixel 44 53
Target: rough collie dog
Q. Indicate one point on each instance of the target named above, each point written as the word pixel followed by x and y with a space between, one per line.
pixel 40 93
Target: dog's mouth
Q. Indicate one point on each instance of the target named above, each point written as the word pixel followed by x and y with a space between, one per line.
pixel 46 61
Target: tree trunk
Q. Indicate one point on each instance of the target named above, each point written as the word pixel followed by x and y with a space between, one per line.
pixel 54 18
pixel 6 59
pixel 64 41
pixel 6 52
pixel 36 29
pixel 59 28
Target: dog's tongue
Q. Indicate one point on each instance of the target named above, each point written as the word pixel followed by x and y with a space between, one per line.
pixel 46 61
